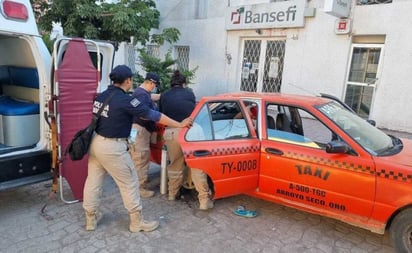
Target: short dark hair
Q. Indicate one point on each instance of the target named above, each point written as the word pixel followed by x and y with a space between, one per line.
pixel 178 79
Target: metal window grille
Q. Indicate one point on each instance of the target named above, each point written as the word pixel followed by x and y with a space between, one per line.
pixel 182 57
pixel 271 65
pixel 366 2
pixel 131 57
pixel 273 69
pixel 153 50
pixel 251 55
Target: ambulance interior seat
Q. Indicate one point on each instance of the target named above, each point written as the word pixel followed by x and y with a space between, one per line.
pixel 19 106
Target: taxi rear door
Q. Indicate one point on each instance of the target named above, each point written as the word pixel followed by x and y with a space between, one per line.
pixel 222 142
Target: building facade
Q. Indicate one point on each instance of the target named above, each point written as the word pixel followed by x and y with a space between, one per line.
pixel 356 50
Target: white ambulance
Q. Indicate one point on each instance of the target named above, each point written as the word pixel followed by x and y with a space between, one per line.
pixel 44 99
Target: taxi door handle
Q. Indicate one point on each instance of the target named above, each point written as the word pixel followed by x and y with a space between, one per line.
pixel 201 153
pixel 274 151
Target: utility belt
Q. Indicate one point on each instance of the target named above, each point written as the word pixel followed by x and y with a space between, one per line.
pixel 112 139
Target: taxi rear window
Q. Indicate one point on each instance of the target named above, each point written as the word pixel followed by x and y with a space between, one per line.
pixel 219 121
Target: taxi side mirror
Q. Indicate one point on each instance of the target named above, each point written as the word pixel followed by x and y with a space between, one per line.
pixel 337 147
pixel 372 122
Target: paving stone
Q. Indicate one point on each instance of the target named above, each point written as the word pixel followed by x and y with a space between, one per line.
pixel 27 225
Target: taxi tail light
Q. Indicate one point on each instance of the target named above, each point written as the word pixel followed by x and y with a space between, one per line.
pixel 14 10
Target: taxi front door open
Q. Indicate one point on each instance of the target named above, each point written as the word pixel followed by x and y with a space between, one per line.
pixel 224 147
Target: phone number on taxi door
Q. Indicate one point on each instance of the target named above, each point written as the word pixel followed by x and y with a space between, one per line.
pixel 229 167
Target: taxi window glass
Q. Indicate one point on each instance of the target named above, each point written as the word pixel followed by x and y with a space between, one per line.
pixel 219 121
pixel 252 109
pixel 201 129
pixel 369 137
pixel 296 126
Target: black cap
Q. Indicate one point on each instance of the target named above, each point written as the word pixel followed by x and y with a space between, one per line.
pixel 153 77
pixel 120 73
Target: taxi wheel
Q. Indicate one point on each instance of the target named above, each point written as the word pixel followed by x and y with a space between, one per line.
pixel 401 231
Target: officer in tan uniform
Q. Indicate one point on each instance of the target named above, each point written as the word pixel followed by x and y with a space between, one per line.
pixel 143 128
pixel 109 154
pixel 178 103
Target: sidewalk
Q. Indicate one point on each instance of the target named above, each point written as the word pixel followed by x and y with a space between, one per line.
pixel 28 225
pixel 31 221
pixel 398 133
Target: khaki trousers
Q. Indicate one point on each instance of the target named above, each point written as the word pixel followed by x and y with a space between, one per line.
pixel 111 156
pixel 200 181
pixel 176 166
pixel 140 152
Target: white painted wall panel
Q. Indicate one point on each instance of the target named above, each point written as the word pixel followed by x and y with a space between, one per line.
pixel 316 59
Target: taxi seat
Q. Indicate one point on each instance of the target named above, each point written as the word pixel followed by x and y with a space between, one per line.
pixel 283 123
pixel 271 122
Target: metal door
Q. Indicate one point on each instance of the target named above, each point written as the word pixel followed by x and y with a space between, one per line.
pixel 262 65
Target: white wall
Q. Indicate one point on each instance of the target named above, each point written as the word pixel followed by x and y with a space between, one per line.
pixel 206 38
pixel 316 59
pixel 394 88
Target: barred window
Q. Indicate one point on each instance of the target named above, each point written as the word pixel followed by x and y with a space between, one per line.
pixel 182 57
pixel 153 50
pixel 366 2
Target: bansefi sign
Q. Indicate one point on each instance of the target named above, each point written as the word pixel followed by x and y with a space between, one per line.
pixel 271 15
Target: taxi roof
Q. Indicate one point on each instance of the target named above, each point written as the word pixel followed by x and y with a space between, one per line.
pixel 295 99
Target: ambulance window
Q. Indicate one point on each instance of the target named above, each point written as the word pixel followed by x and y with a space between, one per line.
pixel 93 56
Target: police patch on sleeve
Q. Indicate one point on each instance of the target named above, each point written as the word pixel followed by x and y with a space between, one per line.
pixel 135 102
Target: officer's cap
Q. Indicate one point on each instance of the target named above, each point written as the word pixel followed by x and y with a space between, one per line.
pixel 120 73
pixel 153 77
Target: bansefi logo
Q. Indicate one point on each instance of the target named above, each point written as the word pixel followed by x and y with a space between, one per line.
pixel 269 15
pixel 237 16
pixel 263 17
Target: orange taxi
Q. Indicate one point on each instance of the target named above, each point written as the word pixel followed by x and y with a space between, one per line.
pixel 310 153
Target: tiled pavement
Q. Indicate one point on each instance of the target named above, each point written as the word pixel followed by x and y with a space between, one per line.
pixel 31 221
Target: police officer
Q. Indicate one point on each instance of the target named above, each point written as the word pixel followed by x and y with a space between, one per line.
pixel 178 103
pixel 143 127
pixel 109 150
